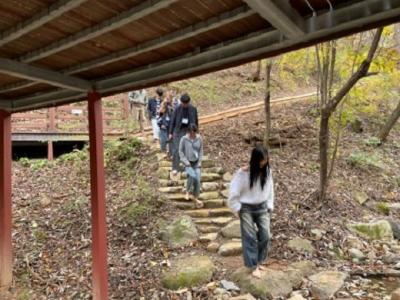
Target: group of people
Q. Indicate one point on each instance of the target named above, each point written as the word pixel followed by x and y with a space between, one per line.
pixel 174 121
pixel 251 194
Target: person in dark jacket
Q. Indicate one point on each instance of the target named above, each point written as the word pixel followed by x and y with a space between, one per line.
pixel 153 110
pixel 184 115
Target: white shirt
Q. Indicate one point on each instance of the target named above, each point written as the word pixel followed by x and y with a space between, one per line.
pixel 240 191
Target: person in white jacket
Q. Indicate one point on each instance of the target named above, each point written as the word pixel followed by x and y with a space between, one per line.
pixel 252 197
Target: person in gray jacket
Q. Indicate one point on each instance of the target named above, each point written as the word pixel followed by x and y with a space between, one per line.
pixel 183 116
pixel 191 155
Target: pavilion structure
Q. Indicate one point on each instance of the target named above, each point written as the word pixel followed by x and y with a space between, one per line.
pixel 55 52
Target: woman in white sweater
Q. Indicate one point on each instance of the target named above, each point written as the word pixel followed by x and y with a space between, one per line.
pixel 252 197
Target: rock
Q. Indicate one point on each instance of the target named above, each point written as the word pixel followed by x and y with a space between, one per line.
pixel 180 232
pixel 209 237
pixel 227 177
pixel 230 249
pixel 225 193
pixel 210 186
pixel 301 245
pixel 273 283
pixel 360 197
pixel 396 295
pixel 395 228
pixel 213 247
pixel 188 272
pixel 317 233
pixel 297 297
pixel 306 267
pixel 353 242
pixel 356 125
pixel 355 253
pixel 207 177
pixel 45 201
pixel 229 285
pixel 163 173
pixel 380 230
pixel 324 285
pixel 243 297
pixel 390 258
pixel 232 230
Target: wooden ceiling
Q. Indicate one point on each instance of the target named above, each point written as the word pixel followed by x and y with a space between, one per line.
pixel 55 51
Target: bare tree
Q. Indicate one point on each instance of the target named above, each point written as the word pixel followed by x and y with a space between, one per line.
pixel 326 59
pixel 395 116
pixel 267 102
pixel 391 121
pixel 257 74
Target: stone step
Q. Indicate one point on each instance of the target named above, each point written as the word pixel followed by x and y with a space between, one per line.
pixel 208 228
pixel 208 237
pixel 209 196
pixel 231 248
pixel 210 212
pixel 209 177
pixel 210 186
pixel 218 221
pixel 188 205
pixel 171 183
pixel 214 203
pixel 177 197
pixel 206 163
pixel 171 189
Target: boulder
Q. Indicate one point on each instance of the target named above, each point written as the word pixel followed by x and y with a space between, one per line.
pixel 379 230
pixel 213 247
pixel 227 177
pixel 360 197
pixel 232 230
pixel 396 294
pixel 209 196
pixel 297 297
pixel 357 254
pixel 188 272
pixel 317 233
pixel 324 285
pixel 301 245
pixel 306 267
pixel 230 248
pixel 180 232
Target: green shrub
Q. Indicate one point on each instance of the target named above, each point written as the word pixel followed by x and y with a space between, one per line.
pixel 25 162
pixel 383 208
pixel 364 160
pixel 372 141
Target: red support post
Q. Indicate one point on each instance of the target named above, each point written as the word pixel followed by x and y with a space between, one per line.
pixel 98 199
pixel 51 128
pixel 5 201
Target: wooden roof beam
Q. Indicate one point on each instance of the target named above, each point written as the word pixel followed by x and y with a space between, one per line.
pixel 168 39
pixel 281 15
pixel 173 37
pixel 17 69
pixel 44 16
pixel 140 11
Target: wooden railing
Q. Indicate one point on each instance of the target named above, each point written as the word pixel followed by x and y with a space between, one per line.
pixel 73 119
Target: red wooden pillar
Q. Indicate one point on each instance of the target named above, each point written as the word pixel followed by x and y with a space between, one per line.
pixel 98 199
pixel 51 128
pixel 5 201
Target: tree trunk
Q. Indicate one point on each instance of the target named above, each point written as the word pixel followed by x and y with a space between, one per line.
pixel 389 124
pixel 267 103
pixel 323 153
pixel 257 73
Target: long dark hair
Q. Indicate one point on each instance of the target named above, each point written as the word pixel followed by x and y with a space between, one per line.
pixel 259 154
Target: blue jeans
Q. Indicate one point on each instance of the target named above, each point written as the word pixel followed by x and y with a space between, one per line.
pixel 255 230
pixel 193 180
pixel 163 139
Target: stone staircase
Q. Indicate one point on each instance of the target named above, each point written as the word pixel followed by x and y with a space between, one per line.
pixel 214 217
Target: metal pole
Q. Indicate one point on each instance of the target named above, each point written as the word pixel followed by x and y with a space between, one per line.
pixel 98 199
pixel 5 202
